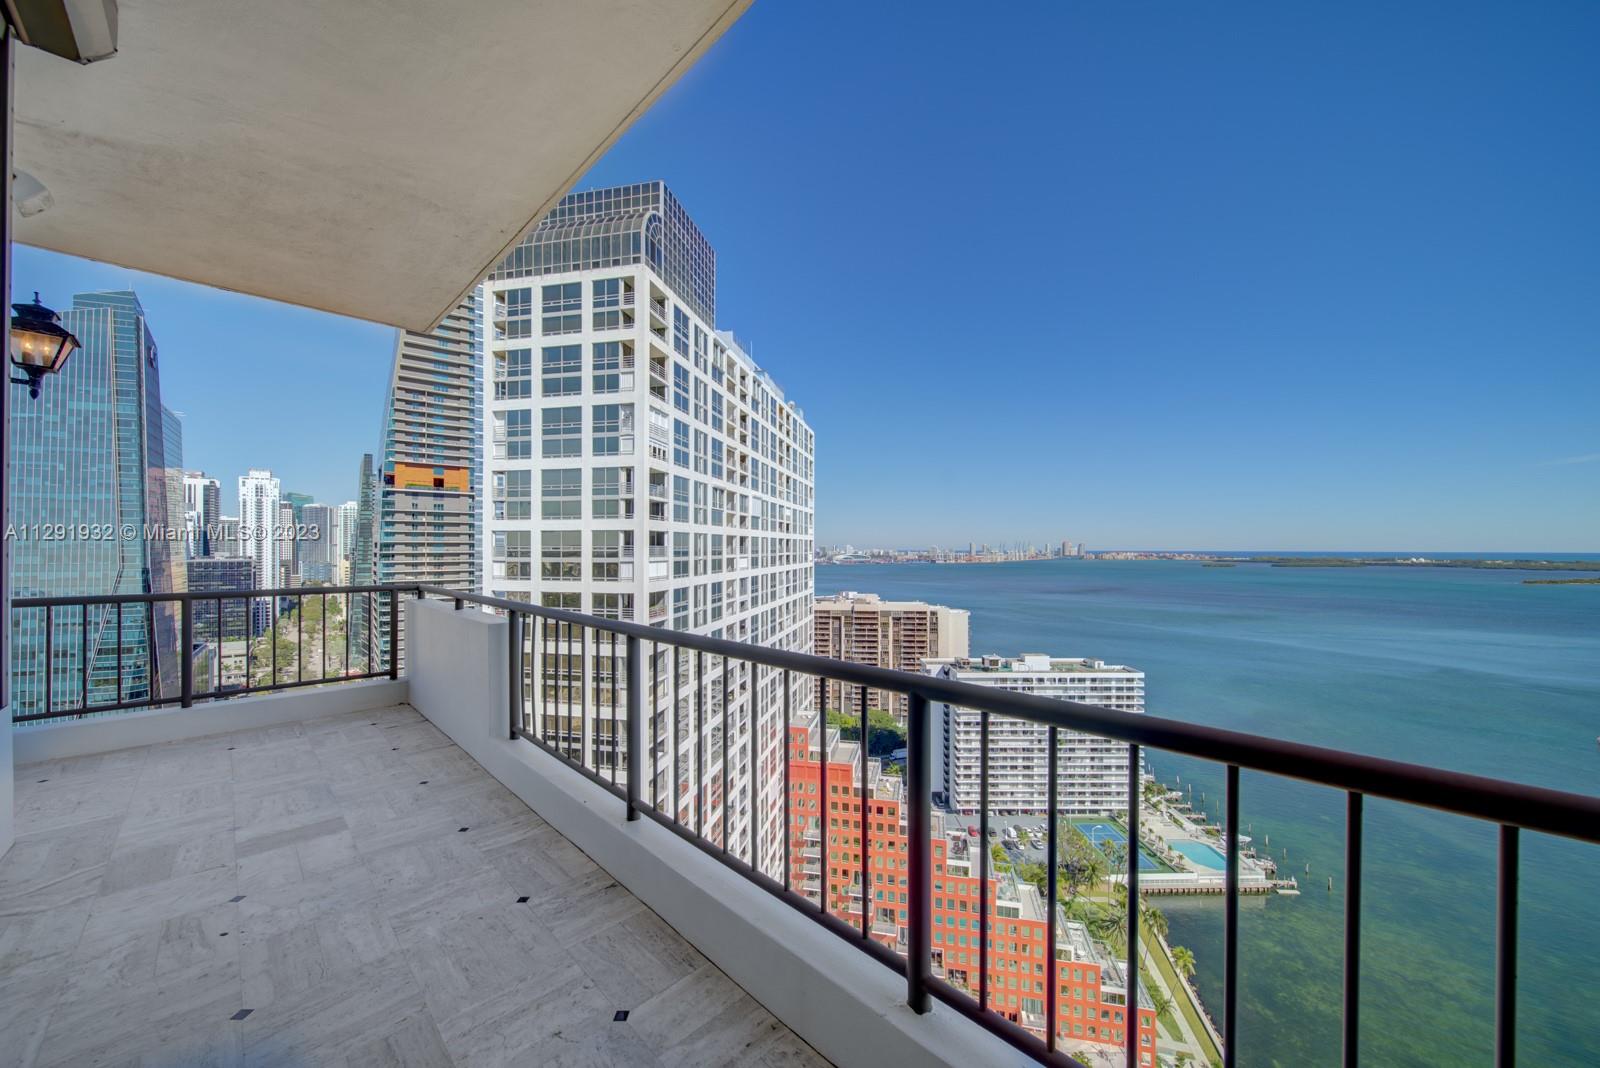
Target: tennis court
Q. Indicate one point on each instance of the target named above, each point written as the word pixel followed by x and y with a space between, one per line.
pixel 1101 835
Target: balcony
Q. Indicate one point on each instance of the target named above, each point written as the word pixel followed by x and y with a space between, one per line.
pixel 448 865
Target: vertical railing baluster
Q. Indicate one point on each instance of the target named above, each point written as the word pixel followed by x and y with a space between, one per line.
pixel 49 657
pixel 677 742
pixel 394 634
pixel 1052 787
pixel 83 656
pixel 983 859
pixel 1130 1014
pixel 514 672
pixel 919 876
pixel 866 827
pixel 584 736
pixel 616 741
pixel 1505 950
pixel 699 742
pixel 1230 929
pixel 750 705
pixel 300 637
pixel 347 602
pixel 635 717
pixel 655 726
pixel 119 652
pixel 824 838
pixel 186 660
pixel 322 653
pixel 788 797
pixel 727 801
pixel 1352 932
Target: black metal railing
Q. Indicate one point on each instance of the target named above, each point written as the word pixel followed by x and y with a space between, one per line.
pixel 558 660
pixel 82 656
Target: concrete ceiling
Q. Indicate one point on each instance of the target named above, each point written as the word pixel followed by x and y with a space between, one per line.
pixel 372 158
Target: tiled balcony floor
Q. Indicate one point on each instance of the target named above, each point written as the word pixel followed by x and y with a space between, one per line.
pixel 340 891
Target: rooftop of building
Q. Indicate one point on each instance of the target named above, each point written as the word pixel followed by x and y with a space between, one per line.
pixel 1028 663
pixel 851 598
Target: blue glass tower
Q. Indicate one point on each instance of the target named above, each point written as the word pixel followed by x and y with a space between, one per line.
pixel 93 461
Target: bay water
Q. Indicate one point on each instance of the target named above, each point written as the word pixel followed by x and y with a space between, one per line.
pixel 1470 670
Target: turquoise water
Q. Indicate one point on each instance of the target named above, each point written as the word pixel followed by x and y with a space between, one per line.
pixel 1202 854
pixel 1463 669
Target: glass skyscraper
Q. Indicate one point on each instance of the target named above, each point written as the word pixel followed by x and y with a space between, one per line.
pixel 618 227
pixel 428 516
pixel 362 571
pixel 97 475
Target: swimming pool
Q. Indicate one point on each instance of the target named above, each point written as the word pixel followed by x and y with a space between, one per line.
pixel 1201 853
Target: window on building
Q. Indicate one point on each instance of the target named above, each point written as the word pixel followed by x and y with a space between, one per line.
pixel 513 374
pixel 680 554
pixel 562 297
pixel 612 555
pixel 513 495
pixel 680 499
pixel 561 554
pixel 680 332
pixel 612 490
pixel 608 368
pixel 613 605
pixel 572 602
pixel 680 387
pixel 680 442
pixel 562 367
pixel 561 490
pixel 519 434
pixel 563 431
pixel 511 552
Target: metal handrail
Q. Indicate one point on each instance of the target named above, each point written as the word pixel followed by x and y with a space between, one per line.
pixel 1534 808
pixel 1513 806
pixel 215 687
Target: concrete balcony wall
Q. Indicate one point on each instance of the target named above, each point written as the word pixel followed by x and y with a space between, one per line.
pixel 845 1004
pixel 125 730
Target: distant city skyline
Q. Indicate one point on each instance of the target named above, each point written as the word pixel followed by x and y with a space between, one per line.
pixel 1220 334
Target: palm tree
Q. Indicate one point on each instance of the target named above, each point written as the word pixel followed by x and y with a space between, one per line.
pixel 1113 921
pixel 1183 960
pixel 1154 920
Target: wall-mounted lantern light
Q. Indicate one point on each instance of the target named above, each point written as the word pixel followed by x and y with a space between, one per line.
pixel 40 345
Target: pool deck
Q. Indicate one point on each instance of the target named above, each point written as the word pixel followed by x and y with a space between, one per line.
pixel 1162 829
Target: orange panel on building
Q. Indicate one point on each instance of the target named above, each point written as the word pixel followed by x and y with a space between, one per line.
pixel 416 476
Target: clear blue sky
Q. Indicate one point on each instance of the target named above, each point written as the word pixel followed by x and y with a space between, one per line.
pixel 1185 275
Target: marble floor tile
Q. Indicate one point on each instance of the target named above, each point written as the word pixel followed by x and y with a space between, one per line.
pixel 334 1019
pixel 306 895
pixel 52 868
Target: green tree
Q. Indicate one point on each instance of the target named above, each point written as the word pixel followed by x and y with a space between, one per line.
pixel 1183 960
pixel 1082 864
pixel 1113 921
pixel 885 735
pixel 1153 919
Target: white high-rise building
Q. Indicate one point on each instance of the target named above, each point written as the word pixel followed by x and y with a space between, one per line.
pixel 259 498
pixel 1092 773
pixel 641 466
pixel 202 509
pixel 346 540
